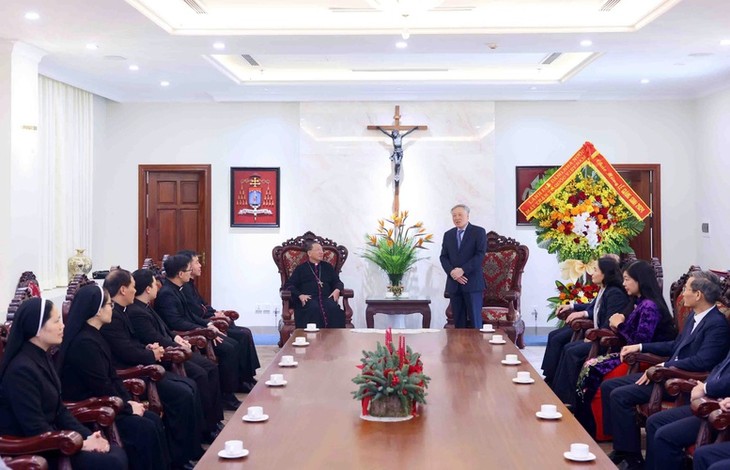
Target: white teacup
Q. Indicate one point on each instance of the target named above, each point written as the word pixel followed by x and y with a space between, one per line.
pixel 300 340
pixel 287 359
pixel 257 412
pixel 311 326
pixel 279 378
pixel 511 358
pixel 487 327
pixel 523 376
pixel 579 450
pixel 235 447
pixel 497 338
pixel 548 410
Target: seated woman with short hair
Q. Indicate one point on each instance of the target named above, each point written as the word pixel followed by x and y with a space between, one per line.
pixel 30 390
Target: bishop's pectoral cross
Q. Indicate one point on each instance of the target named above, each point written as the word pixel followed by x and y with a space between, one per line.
pixel 397 156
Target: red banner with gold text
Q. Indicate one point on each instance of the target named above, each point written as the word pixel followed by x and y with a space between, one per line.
pixel 587 155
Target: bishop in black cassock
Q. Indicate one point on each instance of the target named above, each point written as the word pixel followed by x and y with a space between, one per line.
pixel 315 289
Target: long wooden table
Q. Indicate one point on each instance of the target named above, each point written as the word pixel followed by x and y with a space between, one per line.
pixel 476 417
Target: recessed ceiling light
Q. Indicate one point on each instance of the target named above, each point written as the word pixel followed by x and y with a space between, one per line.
pixel 401 44
pixel 219 46
pixel 31 15
pixel 92 47
pixel 644 81
pixel 725 42
pixel 134 67
pixel 164 83
pixel 586 43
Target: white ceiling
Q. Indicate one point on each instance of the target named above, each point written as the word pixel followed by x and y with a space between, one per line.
pixel 345 49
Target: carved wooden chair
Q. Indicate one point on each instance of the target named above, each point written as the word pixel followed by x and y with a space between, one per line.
pixel 26 462
pixel 291 254
pixel 502 269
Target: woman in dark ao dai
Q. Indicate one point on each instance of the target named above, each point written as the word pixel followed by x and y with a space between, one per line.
pixel 85 366
pixel 30 390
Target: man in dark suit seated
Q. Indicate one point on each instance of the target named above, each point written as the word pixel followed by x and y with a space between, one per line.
pixel 241 334
pixel 462 255
pixel 704 342
pixel 149 328
pixel 670 431
pixel 183 415
pixel 173 309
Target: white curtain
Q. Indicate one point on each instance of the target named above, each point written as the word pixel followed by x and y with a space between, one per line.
pixel 66 141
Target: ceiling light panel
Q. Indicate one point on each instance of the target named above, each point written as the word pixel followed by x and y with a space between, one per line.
pixel 249 17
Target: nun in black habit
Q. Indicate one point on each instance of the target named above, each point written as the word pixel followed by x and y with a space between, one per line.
pixel 30 390
pixel 85 366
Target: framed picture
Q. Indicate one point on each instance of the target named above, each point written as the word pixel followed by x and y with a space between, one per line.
pixel 524 176
pixel 255 197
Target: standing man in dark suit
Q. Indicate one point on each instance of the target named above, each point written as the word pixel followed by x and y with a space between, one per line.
pixel 703 343
pixel 462 254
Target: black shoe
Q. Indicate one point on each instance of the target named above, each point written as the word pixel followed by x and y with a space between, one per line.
pixel 617 456
pixel 247 386
pixel 219 427
pixel 230 402
pixel 632 462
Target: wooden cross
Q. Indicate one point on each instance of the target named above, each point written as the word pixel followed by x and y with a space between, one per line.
pixel 397 156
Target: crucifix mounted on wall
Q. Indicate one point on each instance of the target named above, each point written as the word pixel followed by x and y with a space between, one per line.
pixel 394 132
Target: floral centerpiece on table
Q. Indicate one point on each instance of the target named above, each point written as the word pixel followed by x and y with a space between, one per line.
pixel 391 381
pixel 394 248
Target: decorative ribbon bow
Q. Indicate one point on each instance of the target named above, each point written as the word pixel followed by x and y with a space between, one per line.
pixel 572 269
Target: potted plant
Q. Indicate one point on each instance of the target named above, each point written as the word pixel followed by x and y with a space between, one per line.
pixel 394 248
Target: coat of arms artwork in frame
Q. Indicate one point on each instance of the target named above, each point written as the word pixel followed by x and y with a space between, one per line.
pixel 254 197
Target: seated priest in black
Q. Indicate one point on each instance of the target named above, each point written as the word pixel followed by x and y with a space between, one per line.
pixel 30 390
pixel 315 290
pixel 173 309
pixel 149 328
pixel 85 366
pixel 200 307
pixel 183 414
pixel 703 343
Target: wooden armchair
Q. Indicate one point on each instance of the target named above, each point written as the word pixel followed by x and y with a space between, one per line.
pixel 291 254
pixel 26 462
pixel 502 269
pixel 66 442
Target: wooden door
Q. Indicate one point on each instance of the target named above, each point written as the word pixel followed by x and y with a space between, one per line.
pixel 645 180
pixel 174 214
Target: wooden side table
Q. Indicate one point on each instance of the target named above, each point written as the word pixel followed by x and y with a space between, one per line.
pixel 398 307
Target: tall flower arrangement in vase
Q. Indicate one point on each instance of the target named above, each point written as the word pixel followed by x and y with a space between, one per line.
pixel 394 247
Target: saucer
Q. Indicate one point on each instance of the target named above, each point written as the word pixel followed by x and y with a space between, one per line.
pixel 261 418
pixel 311 331
pixel 290 364
pixel 244 452
pixel 518 381
pixel 509 363
pixel 275 384
pixel 568 455
pixel 557 415
pixel 306 343
pixel 488 331
pixel 504 341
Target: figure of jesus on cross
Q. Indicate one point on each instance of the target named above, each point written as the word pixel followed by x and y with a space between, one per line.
pixel 397 156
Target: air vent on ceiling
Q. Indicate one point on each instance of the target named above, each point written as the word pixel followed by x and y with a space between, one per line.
pixel 196 7
pixel 551 58
pixel 400 70
pixel 251 61
pixel 608 6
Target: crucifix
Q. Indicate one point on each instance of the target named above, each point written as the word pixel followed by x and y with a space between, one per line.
pixel 397 156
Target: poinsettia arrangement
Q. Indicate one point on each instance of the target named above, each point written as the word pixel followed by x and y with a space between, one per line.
pixel 390 373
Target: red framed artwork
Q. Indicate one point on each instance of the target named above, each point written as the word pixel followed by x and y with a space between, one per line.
pixel 524 176
pixel 255 197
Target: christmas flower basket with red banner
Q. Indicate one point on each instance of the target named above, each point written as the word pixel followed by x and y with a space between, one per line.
pixel 391 381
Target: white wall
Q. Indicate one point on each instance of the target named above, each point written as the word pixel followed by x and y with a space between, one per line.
pixel 342 163
pixel 713 204
pixel 548 133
